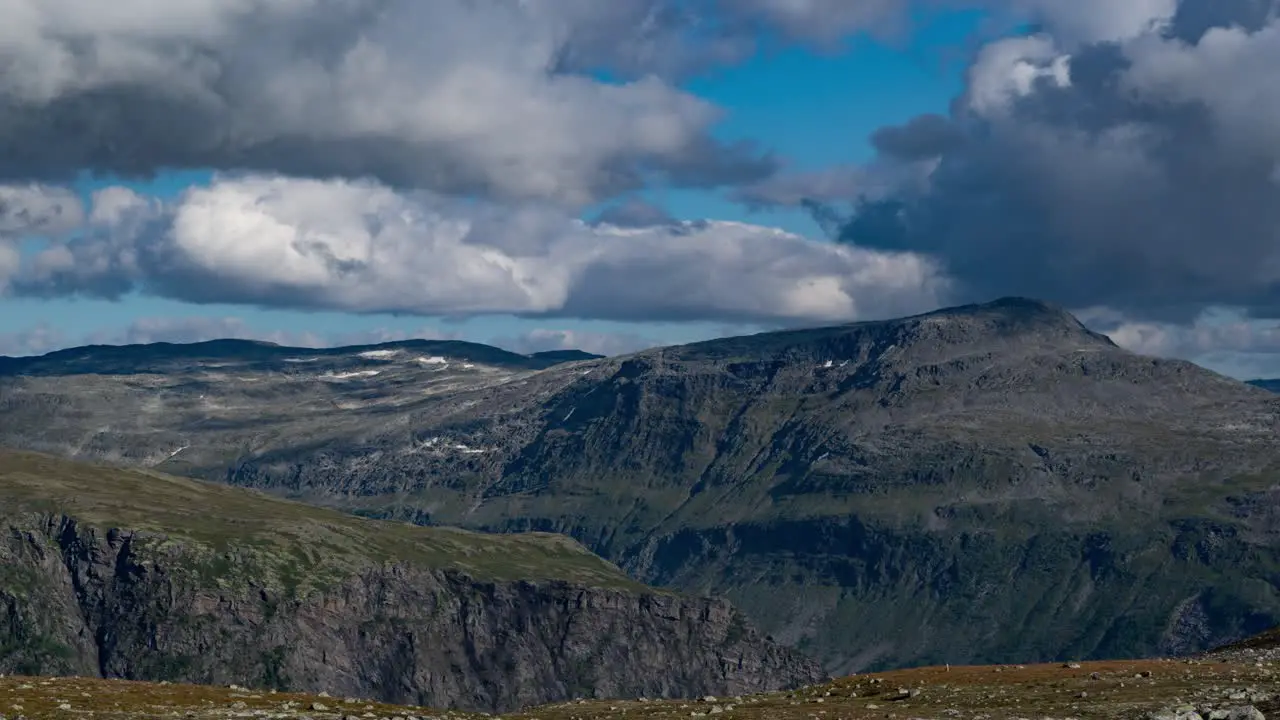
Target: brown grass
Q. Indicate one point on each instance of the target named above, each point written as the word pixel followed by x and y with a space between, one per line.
pixel 1110 690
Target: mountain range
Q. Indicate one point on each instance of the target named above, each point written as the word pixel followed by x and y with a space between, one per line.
pixel 988 483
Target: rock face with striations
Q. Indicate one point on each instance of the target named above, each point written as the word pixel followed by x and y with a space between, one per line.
pixel 148 577
pixel 992 483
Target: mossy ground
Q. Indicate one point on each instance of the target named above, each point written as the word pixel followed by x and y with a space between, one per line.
pixel 1106 690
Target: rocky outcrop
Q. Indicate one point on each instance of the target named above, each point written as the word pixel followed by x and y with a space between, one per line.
pixel 123 604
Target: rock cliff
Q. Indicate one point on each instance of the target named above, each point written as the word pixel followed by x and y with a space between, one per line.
pixel 146 577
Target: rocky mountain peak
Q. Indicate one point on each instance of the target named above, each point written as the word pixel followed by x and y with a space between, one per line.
pixel 1007 317
pixel 1005 325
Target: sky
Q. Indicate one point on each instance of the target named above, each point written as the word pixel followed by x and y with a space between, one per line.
pixel 542 174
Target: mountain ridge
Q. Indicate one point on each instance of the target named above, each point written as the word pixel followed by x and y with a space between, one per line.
pixel 998 470
pixel 123 359
pixel 1030 311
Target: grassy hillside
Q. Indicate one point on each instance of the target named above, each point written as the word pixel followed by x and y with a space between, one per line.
pixel 241 529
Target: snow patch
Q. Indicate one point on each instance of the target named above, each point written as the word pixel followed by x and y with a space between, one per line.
pixel 378 354
pixel 350 375
pixel 438 445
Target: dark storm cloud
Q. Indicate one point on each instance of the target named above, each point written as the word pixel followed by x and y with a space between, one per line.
pixel 1139 172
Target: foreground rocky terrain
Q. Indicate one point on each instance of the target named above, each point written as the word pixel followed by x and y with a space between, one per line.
pixel 130 574
pixel 985 484
pixel 1203 688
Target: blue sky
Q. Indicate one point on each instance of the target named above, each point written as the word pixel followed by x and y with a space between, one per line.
pixel 436 169
pixel 813 107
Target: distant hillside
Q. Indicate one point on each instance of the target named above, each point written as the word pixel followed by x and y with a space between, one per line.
pixel 263 356
pixel 989 483
pixel 563 356
pixel 138 575
pixel 1272 385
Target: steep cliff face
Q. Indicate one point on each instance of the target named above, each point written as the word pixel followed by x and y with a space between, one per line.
pixel 88 598
pixel 992 483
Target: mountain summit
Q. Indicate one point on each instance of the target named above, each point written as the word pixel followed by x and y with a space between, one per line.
pixel 1018 324
pixel 990 483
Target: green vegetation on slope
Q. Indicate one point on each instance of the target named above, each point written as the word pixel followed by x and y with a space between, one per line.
pixel 234 525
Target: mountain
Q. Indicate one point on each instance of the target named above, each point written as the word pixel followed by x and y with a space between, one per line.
pixel 1272 385
pixel 133 574
pixel 561 356
pixel 989 483
pixel 265 357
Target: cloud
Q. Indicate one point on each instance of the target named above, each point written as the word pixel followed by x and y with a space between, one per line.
pixel 32 209
pixel 362 247
pixel 495 97
pixel 1210 332
pixel 35 340
pixel 1128 156
pixel 380 335
pixel 194 329
pixel 600 343
pixel 823 21
pixel 798 188
pixel 634 213
pixel 923 137
pixel 1220 340
pixel 38 210
pixel 1092 21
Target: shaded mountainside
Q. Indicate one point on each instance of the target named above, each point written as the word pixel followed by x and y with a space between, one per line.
pixel 1269 384
pixel 991 483
pixel 128 574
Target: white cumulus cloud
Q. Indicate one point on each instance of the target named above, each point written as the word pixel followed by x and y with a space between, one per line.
pixel 362 247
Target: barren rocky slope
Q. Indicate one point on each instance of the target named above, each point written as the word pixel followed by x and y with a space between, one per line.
pixel 990 483
pixel 127 574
